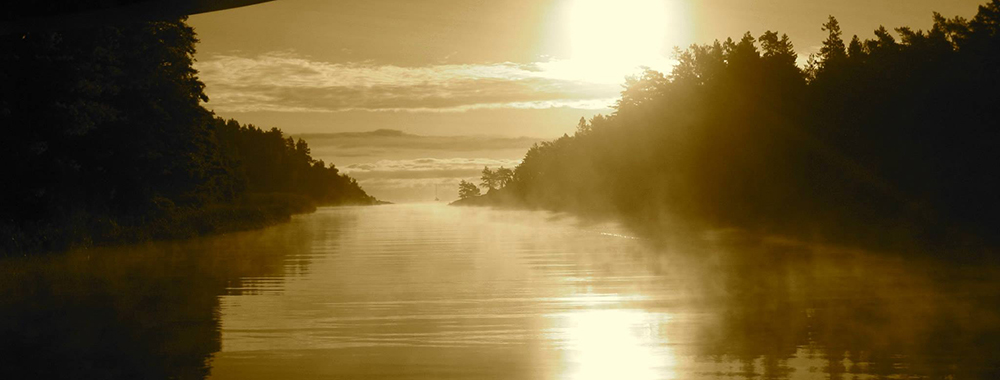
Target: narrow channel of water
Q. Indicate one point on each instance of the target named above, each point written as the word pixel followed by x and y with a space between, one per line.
pixel 437 292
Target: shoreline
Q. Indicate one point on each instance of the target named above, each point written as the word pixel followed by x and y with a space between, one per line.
pixel 255 212
pixel 942 243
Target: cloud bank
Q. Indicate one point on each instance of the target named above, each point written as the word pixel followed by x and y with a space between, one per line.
pixel 383 141
pixel 415 180
pixel 422 168
pixel 287 82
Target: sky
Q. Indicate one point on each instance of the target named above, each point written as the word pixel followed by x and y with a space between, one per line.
pixel 517 71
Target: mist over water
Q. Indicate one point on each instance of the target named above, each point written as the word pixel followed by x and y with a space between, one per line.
pixel 426 291
pixel 748 208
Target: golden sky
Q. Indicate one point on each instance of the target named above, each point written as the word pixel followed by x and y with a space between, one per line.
pixel 501 68
pixel 510 67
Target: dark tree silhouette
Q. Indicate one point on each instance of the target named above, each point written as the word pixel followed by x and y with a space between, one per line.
pixel 885 140
pixel 503 176
pixel 106 140
pixel 489 179
pixel 467 190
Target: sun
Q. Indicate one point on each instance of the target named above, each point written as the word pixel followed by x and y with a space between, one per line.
pixel 609 36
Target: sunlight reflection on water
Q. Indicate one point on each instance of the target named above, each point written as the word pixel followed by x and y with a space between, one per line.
pixel 436 292
pixel 614 343
pixel 478 293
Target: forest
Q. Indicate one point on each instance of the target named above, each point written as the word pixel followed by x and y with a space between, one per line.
pixel 889 141
pixel 106 141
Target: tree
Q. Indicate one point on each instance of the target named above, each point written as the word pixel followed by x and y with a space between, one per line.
pixel 488 179
pixel 641 89
pixel 504 176
pixel 107 130
pixel 898 130
pixel 582 127
pixel 778 49
pixel 273 163
pixel 467 190
pixel 834 51
pixel 855 51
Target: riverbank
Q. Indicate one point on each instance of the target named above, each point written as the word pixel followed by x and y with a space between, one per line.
pixel 254 211
pixel 903 238
pixel 133 155
pixel 496 198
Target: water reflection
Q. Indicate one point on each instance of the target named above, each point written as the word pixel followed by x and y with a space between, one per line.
pixel 848 313
pixel 433 292
pixel 142 312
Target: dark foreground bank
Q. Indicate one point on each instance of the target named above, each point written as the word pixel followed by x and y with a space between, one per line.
pixel 889 142
pixel 106 141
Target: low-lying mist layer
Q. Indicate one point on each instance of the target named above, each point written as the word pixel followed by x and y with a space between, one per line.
pixel 404 167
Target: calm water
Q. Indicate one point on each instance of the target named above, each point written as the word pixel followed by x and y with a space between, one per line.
pixel 437 292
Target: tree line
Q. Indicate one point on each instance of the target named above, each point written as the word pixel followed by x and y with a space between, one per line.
pixel 491 179
pixel 106 140
pixel 891 139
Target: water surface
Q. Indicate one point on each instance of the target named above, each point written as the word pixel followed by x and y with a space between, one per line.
pixel 436 292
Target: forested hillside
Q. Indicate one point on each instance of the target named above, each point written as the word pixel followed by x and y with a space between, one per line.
pixel 106 140
pixel 891 139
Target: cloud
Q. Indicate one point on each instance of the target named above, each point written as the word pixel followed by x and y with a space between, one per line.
pixel 285 81
pixel 402 167
pixel 420 179
pixel 802 58
pixel 359 144
pixel 425 168
pixel 400 185
pixel 415 190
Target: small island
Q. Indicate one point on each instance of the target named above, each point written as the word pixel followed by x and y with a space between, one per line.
pixel 496 182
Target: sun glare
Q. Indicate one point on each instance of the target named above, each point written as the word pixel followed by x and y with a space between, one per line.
pixel 615 344
pixel 614 37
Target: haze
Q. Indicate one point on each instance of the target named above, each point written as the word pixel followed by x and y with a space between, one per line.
pixel 508 68
pixel 508 189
